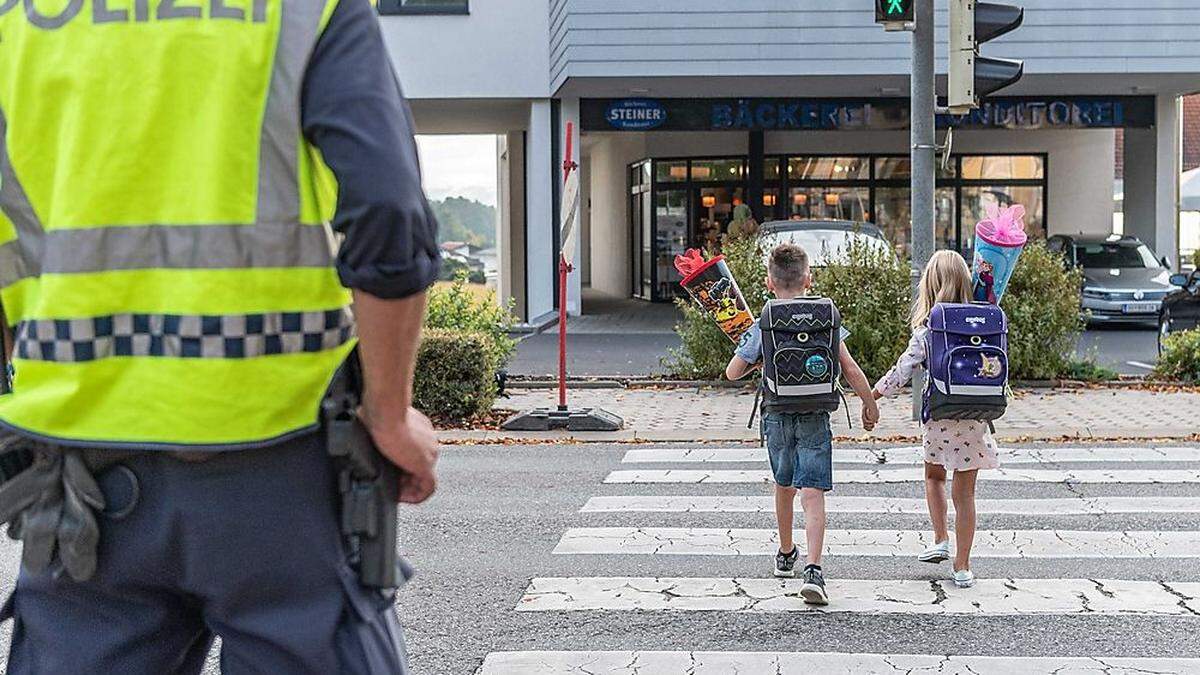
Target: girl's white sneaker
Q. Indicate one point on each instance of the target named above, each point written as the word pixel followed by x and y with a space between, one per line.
pixel 938 553
pixel 964 578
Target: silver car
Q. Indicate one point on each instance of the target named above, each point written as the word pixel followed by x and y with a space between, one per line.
pixel 824 240
pixel 1122 279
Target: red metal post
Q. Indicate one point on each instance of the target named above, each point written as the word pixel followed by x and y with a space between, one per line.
pixel 562 332
pixel 563 268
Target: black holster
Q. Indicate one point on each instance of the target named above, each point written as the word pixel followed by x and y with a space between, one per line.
pixel 369 484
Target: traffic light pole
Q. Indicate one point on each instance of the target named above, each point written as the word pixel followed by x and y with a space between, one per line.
pixel 924 156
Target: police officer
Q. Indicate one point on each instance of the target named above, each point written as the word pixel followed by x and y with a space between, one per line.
pixel 169 170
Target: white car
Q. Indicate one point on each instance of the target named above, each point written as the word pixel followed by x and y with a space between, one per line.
pixel 824 240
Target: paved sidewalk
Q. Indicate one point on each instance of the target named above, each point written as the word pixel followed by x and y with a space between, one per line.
pixel 691 414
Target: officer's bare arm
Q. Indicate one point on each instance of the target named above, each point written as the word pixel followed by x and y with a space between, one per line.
pixel 389 332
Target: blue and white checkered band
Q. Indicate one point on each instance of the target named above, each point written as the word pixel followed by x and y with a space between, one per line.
pixel 236 336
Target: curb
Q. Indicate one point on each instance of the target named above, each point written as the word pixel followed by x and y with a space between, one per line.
pixel 896 435
pixel 1129 382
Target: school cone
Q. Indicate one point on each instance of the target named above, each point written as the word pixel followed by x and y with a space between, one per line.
pixel 563 416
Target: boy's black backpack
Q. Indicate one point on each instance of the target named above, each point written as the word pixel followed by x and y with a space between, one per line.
pixel 801 345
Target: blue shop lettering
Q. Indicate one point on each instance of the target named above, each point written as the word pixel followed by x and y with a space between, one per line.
pixel 789 115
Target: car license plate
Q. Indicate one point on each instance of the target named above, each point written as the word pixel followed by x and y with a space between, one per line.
pixel 1140 308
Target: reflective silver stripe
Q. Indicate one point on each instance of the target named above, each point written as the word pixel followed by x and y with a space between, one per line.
pixel 804 389
pixel 172 247
pixel 186 247
pixel 278 170
pixel 17 258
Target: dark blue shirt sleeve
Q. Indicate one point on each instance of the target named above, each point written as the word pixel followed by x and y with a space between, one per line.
pixel 352 110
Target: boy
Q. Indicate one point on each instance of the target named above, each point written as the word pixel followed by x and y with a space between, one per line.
pixel 800 445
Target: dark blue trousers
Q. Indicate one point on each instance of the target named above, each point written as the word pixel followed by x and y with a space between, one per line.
pixel 244 546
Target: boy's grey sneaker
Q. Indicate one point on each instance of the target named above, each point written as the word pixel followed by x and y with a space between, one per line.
pixel 813 590
pixel 785 563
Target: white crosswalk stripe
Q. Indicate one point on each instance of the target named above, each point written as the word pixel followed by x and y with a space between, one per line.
pixel 724 663
pixel 911 455
pixel 892 505
pixel 988 543
pixel 1129 489
pixel 877 596
pixel 910 475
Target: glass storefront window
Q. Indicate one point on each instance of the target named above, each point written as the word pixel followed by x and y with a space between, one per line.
pixel 900 168
pixel 771 169
pixel 671 172
pixel 718 169
pixel 830 203
pixel 829 168
pixel 894 216
pixel 672 223
pixel 976 198
pixel 714 210
pixel 1003 167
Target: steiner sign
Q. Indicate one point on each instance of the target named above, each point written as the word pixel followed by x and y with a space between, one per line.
pixel 879 114
pixel 635 114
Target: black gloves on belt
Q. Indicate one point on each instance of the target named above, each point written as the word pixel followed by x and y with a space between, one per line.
pixel 52 506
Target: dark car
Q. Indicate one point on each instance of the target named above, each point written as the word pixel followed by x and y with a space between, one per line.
pixel 1181 308
pixel 1122 279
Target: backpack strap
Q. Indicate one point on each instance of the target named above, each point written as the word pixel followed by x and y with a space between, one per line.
pixel 754 411
pixel 845 406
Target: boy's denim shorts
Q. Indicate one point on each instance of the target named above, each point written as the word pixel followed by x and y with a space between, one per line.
pixel 801 449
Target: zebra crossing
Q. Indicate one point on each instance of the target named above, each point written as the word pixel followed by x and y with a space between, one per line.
pixel 1085 519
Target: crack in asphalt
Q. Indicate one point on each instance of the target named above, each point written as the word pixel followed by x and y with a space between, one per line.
pixel 1183 599
pixel 939 592
pixel 1103 591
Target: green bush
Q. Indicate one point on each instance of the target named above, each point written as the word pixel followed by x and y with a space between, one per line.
pixel 455 374
pixel 1087 370
pixel 1044 321
pixel 872 289
pixel 459 307
pixel 706 350
pixel 465 343
pixel 1180 359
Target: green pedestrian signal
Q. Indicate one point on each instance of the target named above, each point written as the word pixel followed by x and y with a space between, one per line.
pixel 894 14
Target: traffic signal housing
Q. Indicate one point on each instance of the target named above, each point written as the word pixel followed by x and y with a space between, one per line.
pixel 973 77
pixel 895 15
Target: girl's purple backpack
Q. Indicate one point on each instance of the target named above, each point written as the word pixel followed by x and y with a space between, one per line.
pixel 967 357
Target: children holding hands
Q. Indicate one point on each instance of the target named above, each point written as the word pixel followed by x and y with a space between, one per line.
pixel 798 434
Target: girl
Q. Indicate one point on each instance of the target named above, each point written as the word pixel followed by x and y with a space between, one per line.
pixel 961 446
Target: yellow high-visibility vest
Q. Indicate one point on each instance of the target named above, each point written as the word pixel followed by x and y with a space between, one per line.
pixel 166 262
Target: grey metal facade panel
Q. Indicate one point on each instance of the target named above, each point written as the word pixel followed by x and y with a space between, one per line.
pixel 593 38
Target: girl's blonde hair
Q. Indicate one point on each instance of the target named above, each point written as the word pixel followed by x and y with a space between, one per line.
pixel 946 279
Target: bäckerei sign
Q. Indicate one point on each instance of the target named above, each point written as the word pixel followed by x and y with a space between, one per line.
pixel 786 114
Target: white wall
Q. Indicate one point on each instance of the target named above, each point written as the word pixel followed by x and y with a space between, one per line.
pixel 610 157
pixel 500 50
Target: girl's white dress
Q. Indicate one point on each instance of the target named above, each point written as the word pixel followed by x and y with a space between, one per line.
pixel 957 445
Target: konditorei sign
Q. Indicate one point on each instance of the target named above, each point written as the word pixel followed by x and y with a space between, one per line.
pixel 788 114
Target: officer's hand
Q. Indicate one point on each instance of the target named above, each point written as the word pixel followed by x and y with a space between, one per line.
pixel 411 444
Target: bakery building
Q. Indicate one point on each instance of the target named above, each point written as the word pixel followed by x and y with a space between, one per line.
pixel 685 110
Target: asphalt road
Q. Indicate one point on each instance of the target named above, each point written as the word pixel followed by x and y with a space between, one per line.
pixel 1127 349
pixel 502 510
